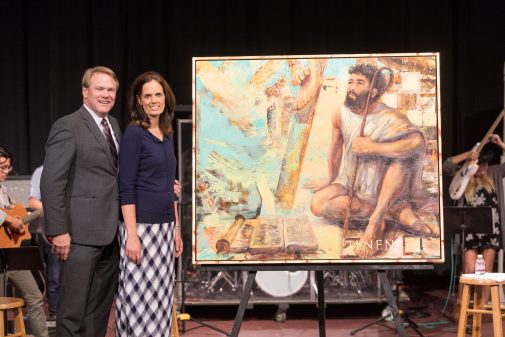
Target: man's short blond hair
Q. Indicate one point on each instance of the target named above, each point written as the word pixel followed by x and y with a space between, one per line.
pixel 86 78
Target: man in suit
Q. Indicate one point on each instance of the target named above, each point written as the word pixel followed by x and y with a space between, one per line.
pixel 80 193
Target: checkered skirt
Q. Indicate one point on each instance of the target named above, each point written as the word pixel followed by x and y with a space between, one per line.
pixel 146 291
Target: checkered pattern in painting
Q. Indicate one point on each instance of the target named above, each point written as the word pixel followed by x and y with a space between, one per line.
pixel 145 295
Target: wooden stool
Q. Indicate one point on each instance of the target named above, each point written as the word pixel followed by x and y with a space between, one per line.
pixel 478 309
pixel 176 317
pixel 14 303
pixel 175 325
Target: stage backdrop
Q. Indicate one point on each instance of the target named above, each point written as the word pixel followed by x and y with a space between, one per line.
pixel 297 161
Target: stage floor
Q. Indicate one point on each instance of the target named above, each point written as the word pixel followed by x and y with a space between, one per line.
pixel 424 308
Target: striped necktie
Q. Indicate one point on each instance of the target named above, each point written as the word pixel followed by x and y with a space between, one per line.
pixel 108 136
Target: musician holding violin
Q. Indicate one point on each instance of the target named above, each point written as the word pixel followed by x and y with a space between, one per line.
pixel 21 279
pixel 483 188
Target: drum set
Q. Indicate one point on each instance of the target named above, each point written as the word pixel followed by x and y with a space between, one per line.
pixel 281 283
pixel 281 288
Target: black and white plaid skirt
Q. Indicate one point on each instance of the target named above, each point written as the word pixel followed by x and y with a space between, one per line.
pixel 146 291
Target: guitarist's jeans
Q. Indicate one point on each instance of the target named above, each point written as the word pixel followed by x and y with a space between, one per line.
pixel 53 266
pixel 23 280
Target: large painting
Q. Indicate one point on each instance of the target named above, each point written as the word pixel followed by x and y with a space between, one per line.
pixel 317 159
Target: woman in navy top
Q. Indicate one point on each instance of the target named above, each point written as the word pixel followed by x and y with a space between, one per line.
pixel 150 234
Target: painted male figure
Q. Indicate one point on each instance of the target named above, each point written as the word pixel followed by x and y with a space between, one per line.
pixel 390 162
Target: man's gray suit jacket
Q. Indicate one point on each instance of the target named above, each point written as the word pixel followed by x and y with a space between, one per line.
pixel 79 184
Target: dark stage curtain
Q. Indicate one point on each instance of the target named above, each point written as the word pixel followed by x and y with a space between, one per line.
pixel 46 45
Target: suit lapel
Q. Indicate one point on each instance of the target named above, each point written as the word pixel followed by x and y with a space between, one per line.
pixel 95 130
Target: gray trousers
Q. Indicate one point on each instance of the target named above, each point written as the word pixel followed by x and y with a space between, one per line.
pixel 88 284
pixel 23 280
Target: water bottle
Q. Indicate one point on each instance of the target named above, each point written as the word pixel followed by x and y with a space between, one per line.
pixel 480 266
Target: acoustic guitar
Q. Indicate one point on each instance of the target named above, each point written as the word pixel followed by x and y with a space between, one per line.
pixel 10 239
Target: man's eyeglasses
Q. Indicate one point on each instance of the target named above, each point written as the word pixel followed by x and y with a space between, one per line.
pixel 6 169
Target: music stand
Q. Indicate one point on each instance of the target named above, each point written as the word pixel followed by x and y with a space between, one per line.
pixel 468 220
pixel 23 258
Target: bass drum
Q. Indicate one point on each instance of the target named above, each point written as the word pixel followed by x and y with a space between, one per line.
pixel 281 283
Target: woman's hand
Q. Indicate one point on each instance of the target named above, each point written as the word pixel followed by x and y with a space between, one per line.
pixel 496 139
pixel 178 241
pixel 177 189
pixel 133 249
pixel 472 155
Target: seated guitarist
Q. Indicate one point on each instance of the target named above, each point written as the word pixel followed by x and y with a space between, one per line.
pixel 21 279
pixel 485 188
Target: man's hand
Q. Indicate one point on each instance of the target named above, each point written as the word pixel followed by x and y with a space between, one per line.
pixel 363 145
pixel 15 224
pixel 316 184
pixel 310 80
pixel 298 71
pixel 177 188
pixel 61 246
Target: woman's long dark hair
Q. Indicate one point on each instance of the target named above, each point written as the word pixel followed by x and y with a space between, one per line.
pixel 137 113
